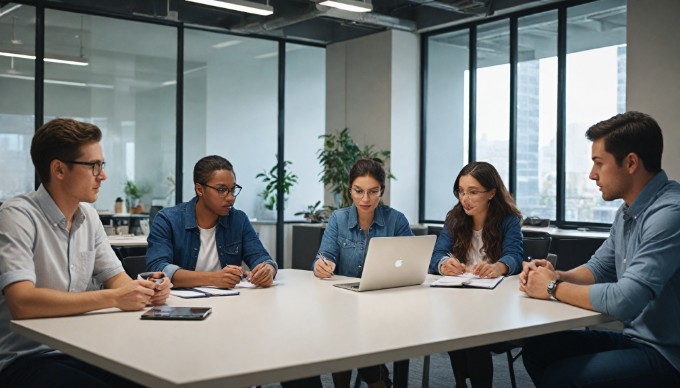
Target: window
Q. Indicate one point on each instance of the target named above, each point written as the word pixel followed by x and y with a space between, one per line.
pixel 124 85
pixel 446 118
pixel 493 96
pixel 595 58
pixel 596 51
pixel 17 120
pixel 537 115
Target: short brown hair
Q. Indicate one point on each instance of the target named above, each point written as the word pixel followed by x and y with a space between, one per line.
pixel 60 139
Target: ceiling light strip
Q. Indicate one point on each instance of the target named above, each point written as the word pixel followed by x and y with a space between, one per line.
pixel 348 5
pixel 239 5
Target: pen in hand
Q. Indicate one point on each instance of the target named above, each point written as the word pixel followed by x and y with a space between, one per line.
pixel 329 266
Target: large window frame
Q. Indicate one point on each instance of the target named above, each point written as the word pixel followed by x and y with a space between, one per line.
pixel 561 87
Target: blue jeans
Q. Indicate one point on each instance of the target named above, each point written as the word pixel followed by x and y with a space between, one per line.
pixel 55 369
pixel 592 358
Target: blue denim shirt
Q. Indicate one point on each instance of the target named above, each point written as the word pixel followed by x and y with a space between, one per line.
pixel 512 249
pixel 174 240
pixel 345 243
pixel 637 269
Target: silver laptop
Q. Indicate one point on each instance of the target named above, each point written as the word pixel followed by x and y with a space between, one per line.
pixel 394 262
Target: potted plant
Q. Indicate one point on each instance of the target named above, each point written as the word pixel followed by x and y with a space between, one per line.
pixel 316 214
pixel 337 156
pixel 134 194
pixel 271 179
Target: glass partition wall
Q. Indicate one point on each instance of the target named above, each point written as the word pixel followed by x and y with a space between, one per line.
pixel 124 85
pixel 17 117
pixel 233 100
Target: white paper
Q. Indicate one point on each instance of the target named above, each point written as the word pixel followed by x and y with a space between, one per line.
pixel 467 280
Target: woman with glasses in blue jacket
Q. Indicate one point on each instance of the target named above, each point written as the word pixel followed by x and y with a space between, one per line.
pixel 482 235
pixel 345 241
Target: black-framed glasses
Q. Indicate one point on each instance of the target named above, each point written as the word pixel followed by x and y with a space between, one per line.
pixel 471 194
pixel 224 191
pixel 359 193
pixel 97 167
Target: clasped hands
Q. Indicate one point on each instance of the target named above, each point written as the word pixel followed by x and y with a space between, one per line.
pixel 229 276
pixel 453 267
pixel 535 276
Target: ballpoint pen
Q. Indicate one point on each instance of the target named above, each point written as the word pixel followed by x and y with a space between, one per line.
pixel 326 263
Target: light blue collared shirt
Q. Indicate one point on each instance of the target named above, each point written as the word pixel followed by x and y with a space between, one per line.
pixel 37 247
pixel 637 269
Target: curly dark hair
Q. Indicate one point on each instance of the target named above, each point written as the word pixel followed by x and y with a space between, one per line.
pixel 460 225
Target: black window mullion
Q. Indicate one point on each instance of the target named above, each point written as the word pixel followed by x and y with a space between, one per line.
pixel 473 96
pixel 39 76
pixel 281 146
pixel 561 112
pixel 424 60
pixel 179 117
pixel 512 184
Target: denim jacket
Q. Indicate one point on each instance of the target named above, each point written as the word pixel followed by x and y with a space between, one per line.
pixel 345 243
pixel 174 240
pixel 512 248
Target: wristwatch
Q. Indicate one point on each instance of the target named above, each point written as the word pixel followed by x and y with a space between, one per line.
pixel 552 287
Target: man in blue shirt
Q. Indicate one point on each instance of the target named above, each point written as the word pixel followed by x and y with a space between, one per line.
pixel 634 276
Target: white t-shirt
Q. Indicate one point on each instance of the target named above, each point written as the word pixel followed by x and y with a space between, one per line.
pixel 476 254
pixel 208 261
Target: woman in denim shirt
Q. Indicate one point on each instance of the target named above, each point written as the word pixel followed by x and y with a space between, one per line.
pixel 481 235
pixel 344 243
pixel 203 242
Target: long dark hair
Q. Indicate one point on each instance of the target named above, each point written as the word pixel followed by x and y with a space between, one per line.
pixel 501 205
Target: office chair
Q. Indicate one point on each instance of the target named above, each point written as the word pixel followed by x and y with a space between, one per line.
pixel 152 213
pixel 134 265
pixel 537 246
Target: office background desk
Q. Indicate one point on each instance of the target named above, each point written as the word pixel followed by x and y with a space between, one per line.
pixel 301 327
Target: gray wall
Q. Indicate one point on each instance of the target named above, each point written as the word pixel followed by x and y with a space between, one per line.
pixel 653 70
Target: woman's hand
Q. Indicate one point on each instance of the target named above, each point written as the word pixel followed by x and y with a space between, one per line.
pixel 452 267
pixel 487 270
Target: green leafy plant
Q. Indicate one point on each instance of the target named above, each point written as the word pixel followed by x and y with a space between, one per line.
pixel 316 214
pixel 271 179
pixel 337 156
pixel 134 191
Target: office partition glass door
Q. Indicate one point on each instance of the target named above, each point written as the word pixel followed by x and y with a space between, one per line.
pixel 17 98
pixel 231 110
pixel 305 121
pixel 104 73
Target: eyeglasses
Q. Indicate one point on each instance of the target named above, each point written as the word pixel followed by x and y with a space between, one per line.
pixel 224 191
pixel 97 167
pixel 359 193
pixel 471 194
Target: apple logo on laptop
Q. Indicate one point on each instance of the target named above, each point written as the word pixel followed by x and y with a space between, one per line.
pixel 398 263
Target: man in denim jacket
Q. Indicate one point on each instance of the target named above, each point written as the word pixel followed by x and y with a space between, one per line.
pixel 203 242
pixel 634 276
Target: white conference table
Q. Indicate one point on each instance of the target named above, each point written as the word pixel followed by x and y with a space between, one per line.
pixel 301 327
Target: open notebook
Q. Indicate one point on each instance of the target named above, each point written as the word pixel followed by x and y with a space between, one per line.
pixel 467 280
pixel 202 292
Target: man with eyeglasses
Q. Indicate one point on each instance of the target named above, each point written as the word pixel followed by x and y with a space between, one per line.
pixel 203 242
pixel 54 251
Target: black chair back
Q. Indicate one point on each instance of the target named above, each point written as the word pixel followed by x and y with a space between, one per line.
pixel 537 247
pixel 152 213
pixel 134 265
